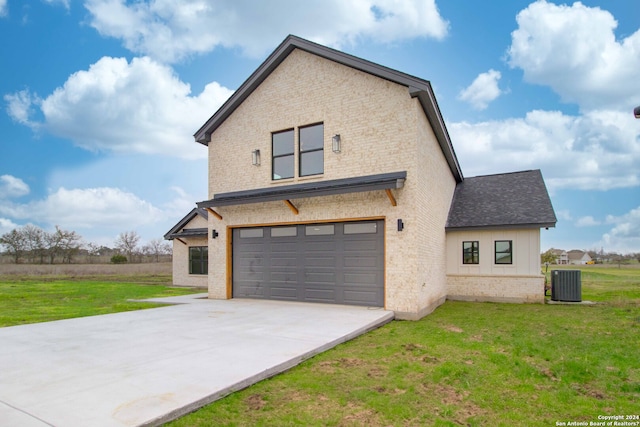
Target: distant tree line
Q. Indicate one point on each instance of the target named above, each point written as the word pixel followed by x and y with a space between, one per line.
pixel 34 245
pixel 600 257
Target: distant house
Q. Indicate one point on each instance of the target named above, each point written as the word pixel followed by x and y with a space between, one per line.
pixel 578 257
pixel 562 258
pixel 333 179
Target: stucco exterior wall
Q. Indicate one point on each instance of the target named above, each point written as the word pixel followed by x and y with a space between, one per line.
pixel 382 129
pixel 181 276
pixel 520 281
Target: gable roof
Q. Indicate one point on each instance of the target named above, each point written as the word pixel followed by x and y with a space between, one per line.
pixel 417 88
pixel 177 230
pixel 508 200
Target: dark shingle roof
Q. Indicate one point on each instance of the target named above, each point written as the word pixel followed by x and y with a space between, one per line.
pixel 517 199
pixel 177 230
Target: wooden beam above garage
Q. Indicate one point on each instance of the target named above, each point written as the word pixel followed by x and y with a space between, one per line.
pixel 292 207
pixel 391 198
pixel 214 213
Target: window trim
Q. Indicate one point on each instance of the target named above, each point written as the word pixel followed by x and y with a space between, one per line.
pixel 314 150
pixel 495 252
pixel 202 260
pixel 474 252
pixel 292 154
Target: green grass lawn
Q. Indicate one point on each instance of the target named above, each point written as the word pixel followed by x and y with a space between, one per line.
pixel 476 364
pixel 32 301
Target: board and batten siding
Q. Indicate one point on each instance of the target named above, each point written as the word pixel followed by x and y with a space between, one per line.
pixel 521 281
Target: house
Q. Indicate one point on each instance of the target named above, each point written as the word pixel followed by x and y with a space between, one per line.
pixel 562 258
pixel 578 257
pixel 191 249
pixel 333 179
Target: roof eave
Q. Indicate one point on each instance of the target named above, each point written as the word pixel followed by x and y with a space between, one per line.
pixel 501 226
pixel 314 189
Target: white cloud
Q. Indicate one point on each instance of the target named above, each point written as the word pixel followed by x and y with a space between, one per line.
pixel 599 150
pixel 587 221
pixel 118 106
pixel 3 7
pixel 87 208
pixel 625 236
pixel 483 90
pixel 10 186
pixel 573 49
pixel 6 225
pixel 20 107
pixel 170 31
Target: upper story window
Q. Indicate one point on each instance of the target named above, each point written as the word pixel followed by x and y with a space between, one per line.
pixel 471 252
pixel 504 251
pixel 311 150
pixel 283 149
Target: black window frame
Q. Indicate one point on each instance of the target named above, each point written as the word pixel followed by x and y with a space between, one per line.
pixel 301 152
pixel 285 155
pixel 509 251
pixel 473 252
pixel 201 261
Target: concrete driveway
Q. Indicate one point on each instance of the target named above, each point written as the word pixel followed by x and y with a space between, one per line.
pixel 147 367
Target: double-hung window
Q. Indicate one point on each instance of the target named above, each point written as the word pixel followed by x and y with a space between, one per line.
pixel 310 152
pixel 198 260
pixel 471 252
pixel 504 251
pixel 282 147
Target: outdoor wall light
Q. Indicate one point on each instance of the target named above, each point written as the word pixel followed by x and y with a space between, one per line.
pixel 255 157
pixel 636 112
pixel 335 143
pixel 400 225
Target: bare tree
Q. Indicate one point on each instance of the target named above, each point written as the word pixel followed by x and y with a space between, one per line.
pixel 155 248
pixel 127 243
pixel 14 243
pixel 34 238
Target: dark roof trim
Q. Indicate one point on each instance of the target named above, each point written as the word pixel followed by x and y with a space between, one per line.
pixel 189 232
pixel 177 231
pixel 417 88
pixel 309 189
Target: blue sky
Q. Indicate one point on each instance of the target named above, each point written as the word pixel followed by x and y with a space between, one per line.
pixel 101 99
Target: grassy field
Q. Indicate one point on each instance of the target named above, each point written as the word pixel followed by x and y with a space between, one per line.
pixel 475 364
pixel 31 294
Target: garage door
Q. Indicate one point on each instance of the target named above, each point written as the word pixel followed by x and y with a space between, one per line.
pixel 338 263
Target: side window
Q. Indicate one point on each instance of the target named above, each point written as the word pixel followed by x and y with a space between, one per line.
pixel 504 251
pixel 471 252
pixel 282 149
pixel 311 150
pixel 198 260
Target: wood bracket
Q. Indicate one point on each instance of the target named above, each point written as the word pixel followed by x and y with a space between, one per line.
pixel 181 241
pixel 291 206
pixel 391 198
pixel 214 213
